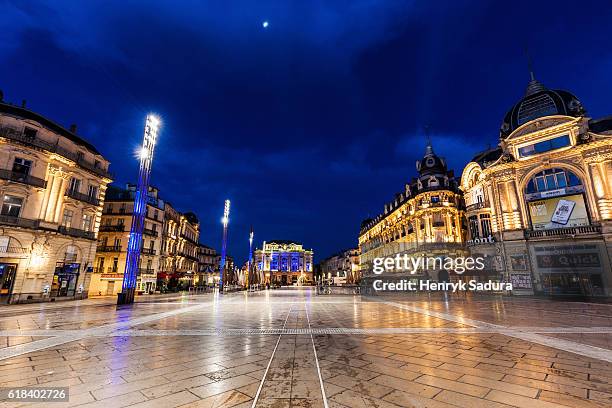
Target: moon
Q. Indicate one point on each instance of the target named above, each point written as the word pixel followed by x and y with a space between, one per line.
pixel 265 24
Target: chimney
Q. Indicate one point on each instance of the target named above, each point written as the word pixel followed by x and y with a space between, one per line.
pixel 73 128
pixel 23 103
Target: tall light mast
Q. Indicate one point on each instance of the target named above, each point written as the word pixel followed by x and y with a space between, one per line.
pixel 225 222
pixel 251 235
pixel 145 154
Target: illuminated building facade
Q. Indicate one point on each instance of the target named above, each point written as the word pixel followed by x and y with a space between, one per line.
pixel 342 267
pixel 285 263
pixel 208 265
pixel 540 205
pixel 423 220
pixel 113 239
pixel 52 186
pixel 179 263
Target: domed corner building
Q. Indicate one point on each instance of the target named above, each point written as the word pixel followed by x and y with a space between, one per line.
pixel 540 204
pixel 424 220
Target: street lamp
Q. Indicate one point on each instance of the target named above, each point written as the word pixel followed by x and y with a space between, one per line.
pixel 225 222
pixel 145 154
pixel 251 235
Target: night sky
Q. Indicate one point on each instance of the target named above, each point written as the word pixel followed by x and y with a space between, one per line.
pixel 310 124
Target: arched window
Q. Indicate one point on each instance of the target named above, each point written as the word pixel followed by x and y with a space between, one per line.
pixel 552 179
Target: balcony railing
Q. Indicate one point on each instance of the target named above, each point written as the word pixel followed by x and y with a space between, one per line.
pixel 82 197
pixel 150 232
pixel 75 232
pixel 22 178
pixel 35 141
pixel 13 250
pixel 144 271
pixel 148 251
pixel 19 221
pixel 564 232
pixel 477 206
pixel 106 248
pixel 112 228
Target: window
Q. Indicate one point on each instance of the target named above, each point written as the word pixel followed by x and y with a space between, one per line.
pixel 67 218
pixel 485 225
pixel 552 179
pixel 71 254
pixel 22 166
pixel 87 218
pixel 92 192
pixel 474 231
pixel 117 242
pixel 545 146
pixel 435 199
pixel 75 185
pixel 12 206
pixel 29 133
pixel 115 264
pixel 80 156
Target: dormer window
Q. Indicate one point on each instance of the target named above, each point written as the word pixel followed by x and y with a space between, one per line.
pixel 545 146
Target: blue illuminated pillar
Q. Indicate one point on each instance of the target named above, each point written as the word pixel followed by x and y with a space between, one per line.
pixel 225 222
pixel 248 279
pixel 140 208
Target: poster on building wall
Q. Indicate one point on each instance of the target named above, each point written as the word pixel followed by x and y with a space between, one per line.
pixel 520 281
pixel 518 262
pixel 558 212
pixel 569 258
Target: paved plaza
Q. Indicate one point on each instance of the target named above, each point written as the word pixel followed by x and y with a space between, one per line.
pixel 292 348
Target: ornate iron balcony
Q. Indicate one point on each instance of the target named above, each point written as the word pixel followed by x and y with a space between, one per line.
pixel 82 197
pixel 22 178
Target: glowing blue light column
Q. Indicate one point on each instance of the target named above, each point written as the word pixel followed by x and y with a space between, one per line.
pixel 248 279
pixel 225 222
pixel 140 209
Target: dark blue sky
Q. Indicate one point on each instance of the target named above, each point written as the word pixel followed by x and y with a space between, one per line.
pixel 310 125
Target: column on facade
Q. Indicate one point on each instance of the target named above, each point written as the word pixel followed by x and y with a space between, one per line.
pixel 54 194
pixel 601 176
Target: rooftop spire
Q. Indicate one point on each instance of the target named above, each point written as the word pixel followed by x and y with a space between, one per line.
pixel 534 85
pixel 428 147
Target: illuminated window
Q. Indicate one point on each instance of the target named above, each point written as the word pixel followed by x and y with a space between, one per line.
pixel 552 179
pixel 75 185
pixel 22 166
pixel 86 224
pixel 545 146
pixel 67 218
pixel 485 225
pixel 12 206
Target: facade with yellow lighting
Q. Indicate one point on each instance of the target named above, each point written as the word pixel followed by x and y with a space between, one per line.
pixel 180 246
pixel 284 262
pixel 113 237
pixel 540 205
pixel 52 187
pixel 423 220
pixel 342 267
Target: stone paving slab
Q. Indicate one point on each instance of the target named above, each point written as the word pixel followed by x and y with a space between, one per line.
pixel 300 367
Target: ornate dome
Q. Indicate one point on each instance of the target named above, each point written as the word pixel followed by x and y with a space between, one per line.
pixel 539 102
pixel 431 164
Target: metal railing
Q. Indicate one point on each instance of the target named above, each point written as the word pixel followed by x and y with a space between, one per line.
pixel 150 232
pixel 148 251
pixel 145 271
pixel 36 141
pixel 13 250
pixel 75 232
pixel 22 178
pixel 109 248
pixel 112 228
pixel 82 197
pixel 19 221
pixel 477 206
pixel 564 232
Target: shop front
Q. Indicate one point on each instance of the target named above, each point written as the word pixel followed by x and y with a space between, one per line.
pixel 572 269
pixel 65 279
pixel 7 280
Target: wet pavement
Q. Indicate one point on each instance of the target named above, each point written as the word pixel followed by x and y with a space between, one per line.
pixel 289 347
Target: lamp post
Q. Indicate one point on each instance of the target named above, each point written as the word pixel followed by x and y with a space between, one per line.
pixel 145 154
pixel 225 222
pixel 251 235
